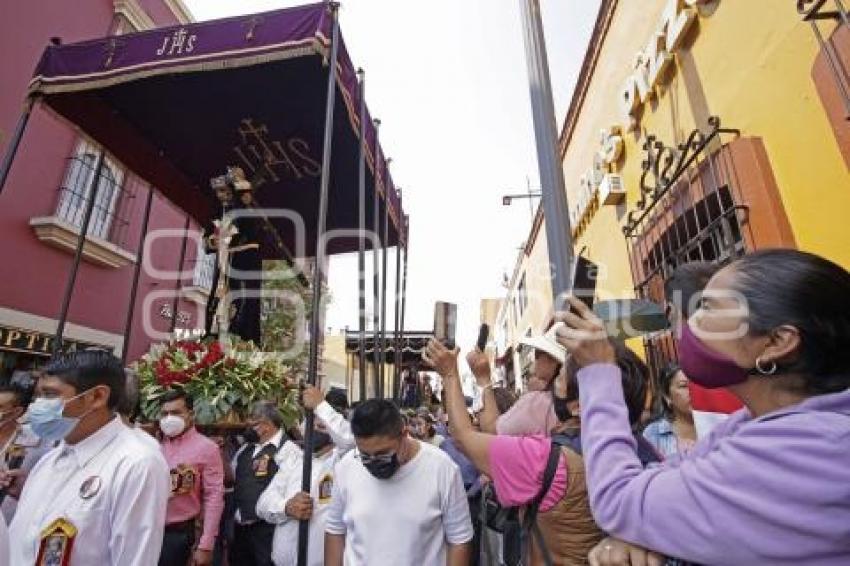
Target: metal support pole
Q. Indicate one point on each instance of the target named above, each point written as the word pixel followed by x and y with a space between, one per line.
pixel 361 251
pixel 318 273
pixel 94 187
pixel 15 142
pixel 385 242
pixel 178 285
pixel 405 228
pixel 555 207
pixel 396 311
pixel 376 297
pixel 134 288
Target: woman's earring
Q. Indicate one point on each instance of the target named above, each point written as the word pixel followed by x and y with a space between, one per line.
pixel 769 370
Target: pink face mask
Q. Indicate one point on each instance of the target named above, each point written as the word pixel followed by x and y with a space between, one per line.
pixel 706 367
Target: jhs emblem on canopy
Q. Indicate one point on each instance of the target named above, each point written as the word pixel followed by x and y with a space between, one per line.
pixel 57 540
pixel 183 479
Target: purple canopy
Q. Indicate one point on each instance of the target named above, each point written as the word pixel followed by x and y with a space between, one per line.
pixel 176 105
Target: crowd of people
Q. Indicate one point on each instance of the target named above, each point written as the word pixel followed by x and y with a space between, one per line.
pixel 571 472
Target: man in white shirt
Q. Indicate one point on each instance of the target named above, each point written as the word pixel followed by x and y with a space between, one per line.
pixel 284 504
pixel 254 468
pixel 330 410
pixel 396 500
pixel 100 496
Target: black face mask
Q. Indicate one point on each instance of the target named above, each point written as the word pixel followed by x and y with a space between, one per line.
pixel 562 411
pixel 382 468
pixel 321 440
pixel 251 436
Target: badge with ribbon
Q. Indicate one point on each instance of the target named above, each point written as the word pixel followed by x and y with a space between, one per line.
pixel 183 479
pixel 57 541
pixel 326 487
pixel 261 466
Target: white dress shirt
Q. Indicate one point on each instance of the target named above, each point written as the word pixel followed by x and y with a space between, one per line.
pixel 286 483
pixel 121 523
pixel 338 427
pixel 4 543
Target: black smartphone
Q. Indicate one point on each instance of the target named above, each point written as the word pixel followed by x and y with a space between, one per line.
pixel 483 336
pixel 584 278
pixel 445 322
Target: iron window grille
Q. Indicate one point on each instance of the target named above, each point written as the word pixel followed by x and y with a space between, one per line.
pixel 814 11
pixel 690 210
pixel 115 194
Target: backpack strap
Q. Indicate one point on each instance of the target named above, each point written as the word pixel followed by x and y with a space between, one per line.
pixel 529 522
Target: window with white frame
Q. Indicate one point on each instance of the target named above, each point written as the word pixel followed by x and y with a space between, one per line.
pixel 75 192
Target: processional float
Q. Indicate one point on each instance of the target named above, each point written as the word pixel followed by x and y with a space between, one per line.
pixel 274 96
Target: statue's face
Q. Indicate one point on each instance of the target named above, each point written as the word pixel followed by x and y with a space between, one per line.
pixel 246 197
pixel 224 194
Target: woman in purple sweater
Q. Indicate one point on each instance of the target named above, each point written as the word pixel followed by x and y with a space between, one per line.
pixel 771 485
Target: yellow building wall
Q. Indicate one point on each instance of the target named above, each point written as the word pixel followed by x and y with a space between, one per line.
pixel 748 62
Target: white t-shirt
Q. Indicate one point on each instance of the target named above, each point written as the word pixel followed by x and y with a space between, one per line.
pixel 407 519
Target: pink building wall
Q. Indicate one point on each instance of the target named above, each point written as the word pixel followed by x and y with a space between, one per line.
pixel 35 274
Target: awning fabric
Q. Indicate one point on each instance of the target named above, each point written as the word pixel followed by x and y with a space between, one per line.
pixel 177 105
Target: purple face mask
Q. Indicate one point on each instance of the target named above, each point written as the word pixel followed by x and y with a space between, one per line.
pixel 706 367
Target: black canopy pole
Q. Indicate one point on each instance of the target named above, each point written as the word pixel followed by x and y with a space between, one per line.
pixel 385 241
pixel 93 189
pixel 361 251
pixel 134 288
pixel 15 142
pixel 318 274
pixel 178 285
pixel 396 311
pixel 376 297
pixel 404 229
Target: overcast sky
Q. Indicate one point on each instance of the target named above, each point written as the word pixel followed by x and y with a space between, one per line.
pixel 448 80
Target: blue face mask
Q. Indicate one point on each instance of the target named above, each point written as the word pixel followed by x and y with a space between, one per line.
pixel 45 417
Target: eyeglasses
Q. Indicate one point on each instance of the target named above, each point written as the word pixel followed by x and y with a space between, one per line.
pixel 376 459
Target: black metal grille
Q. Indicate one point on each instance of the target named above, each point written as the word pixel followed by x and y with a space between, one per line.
pixel 690 210
pixel 814 11
pixel 114 201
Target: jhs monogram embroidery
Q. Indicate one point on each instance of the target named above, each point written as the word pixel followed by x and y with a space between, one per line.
pixel 177 43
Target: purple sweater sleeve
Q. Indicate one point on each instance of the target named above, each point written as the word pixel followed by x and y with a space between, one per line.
pixel 742 499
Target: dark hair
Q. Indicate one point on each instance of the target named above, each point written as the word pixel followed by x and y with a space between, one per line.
pixel 809 293
pixel 662 385
pixel 129 404
pixel 267 410
pixel 634 375
pixel 23 396
pixel 176 395
pixel 505 399
pixel 88 369
pixel 337 399
pixel 377 417
pixel 687 282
